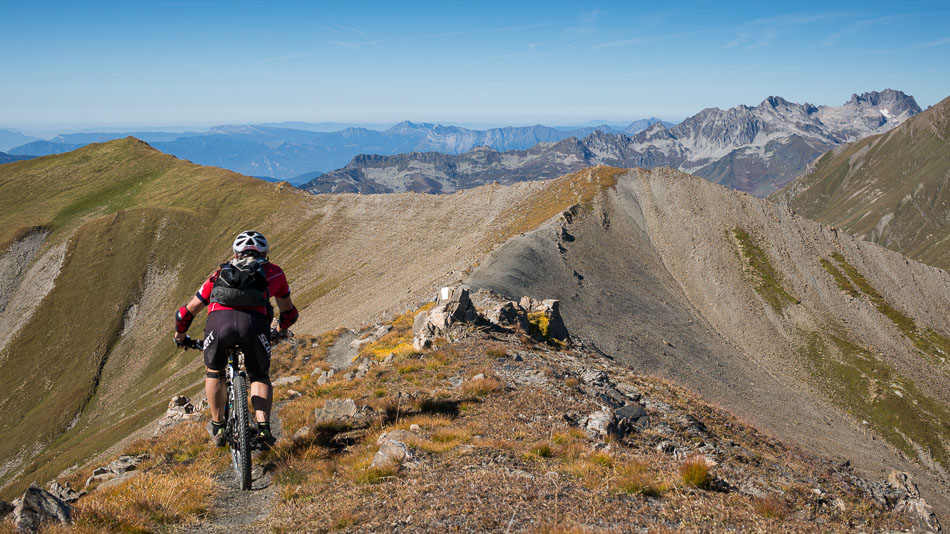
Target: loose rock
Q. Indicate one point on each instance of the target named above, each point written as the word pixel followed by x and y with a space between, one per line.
pixel 64 492
pixel 38 506
pixel 392 453
pixel 336 411
pixel 403 436
pixel 286 381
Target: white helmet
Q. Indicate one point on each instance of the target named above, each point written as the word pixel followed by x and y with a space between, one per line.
pixel 250 240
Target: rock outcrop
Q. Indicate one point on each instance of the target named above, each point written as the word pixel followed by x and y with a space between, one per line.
pixel 453 307
pixel 38 506
pixel 909 502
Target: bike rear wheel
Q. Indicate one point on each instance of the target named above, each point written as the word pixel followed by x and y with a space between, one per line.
pixel 240 431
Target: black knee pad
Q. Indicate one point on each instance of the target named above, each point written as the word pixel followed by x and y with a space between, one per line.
pixel 216 374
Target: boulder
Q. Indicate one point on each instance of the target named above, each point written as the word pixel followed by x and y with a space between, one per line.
pixel 403 436
pixel 336 411
pixel 508 314
pixel 556 328
pixel 631 417
pixel 38 506
pixel 64 492
pixel 600 423
pixel 125 463
pixel 392 453
pixel 911 504
pixel 595 377
pixel 454 307
pixel 286 380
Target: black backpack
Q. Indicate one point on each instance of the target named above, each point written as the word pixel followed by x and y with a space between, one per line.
pixel 241 283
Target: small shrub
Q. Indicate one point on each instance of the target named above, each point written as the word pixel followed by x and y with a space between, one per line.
pixel 346 519
pixel 602 459
pixel 639 482
pixel 541 449
pixel 375 475
pixel 770 507
pixel 497 353
pixel 481 387
pixel 572 382
pixel 695 472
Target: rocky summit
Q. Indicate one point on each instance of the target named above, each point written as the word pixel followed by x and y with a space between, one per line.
pixel 889 188
pixel 753 149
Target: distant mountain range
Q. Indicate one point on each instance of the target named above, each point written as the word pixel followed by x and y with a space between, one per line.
pixel 892 189
pixel 300 154
pixel 752 149
pixel 7 158
pixel 13 138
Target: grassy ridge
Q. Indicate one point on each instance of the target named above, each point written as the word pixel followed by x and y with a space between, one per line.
pixel 902 174
pixel 125 210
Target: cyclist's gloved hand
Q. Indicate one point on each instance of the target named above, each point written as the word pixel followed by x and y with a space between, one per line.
pixel 277 335
pixel 188 343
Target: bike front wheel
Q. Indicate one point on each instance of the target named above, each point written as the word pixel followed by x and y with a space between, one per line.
pixel 240 431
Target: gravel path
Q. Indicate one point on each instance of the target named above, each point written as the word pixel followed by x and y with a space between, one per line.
pixel 236 511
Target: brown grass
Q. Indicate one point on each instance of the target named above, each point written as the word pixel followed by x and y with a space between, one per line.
pixel 694 472
pixel 176 486
pixel 770 506
pixel 481 387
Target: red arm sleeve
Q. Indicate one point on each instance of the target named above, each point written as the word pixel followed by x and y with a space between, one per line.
pixel 277 282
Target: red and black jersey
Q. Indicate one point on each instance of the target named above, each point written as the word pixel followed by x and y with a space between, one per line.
pixel 276 284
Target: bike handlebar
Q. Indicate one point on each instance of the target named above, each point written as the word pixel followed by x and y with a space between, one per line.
pixel 198 344
pixel 189 343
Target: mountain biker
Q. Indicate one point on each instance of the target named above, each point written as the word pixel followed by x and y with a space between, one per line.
pixel 239 314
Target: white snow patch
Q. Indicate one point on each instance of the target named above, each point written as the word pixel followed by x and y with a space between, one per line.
pixel 887 114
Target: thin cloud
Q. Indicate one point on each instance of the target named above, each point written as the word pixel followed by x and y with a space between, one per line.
pixel 586 24
pixel 354 30
pixel 532 46
pixel 763 32
pixel 855 27
pixel 329 29
pixel 359 45
pixel 931 44
pixel 347 44
pixel 622 42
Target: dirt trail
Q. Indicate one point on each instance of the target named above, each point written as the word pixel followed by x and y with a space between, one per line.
pixel 341 354
pixel 236 511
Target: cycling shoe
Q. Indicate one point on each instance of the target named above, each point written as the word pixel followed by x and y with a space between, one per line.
pixel 217 433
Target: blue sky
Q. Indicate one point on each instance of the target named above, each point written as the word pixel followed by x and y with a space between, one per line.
pixel 75 64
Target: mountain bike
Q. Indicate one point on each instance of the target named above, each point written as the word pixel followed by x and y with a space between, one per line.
pixel 236 414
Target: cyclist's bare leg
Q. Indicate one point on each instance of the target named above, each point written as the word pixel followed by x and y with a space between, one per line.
pixel 217 396
pixel 262 395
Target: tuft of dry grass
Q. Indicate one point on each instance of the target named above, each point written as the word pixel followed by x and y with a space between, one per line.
pixel 481 387
pixel 444 439
pixel 176 485
pixel 694 472
pixel 539 450
pixel 635 478
pixel 770 506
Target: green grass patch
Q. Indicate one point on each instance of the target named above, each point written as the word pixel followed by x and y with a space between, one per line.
pixel 871 390
pixel 840 279
pixel 926 340
pixel 766 281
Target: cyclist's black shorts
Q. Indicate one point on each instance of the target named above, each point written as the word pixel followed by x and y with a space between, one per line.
pixel 245 330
